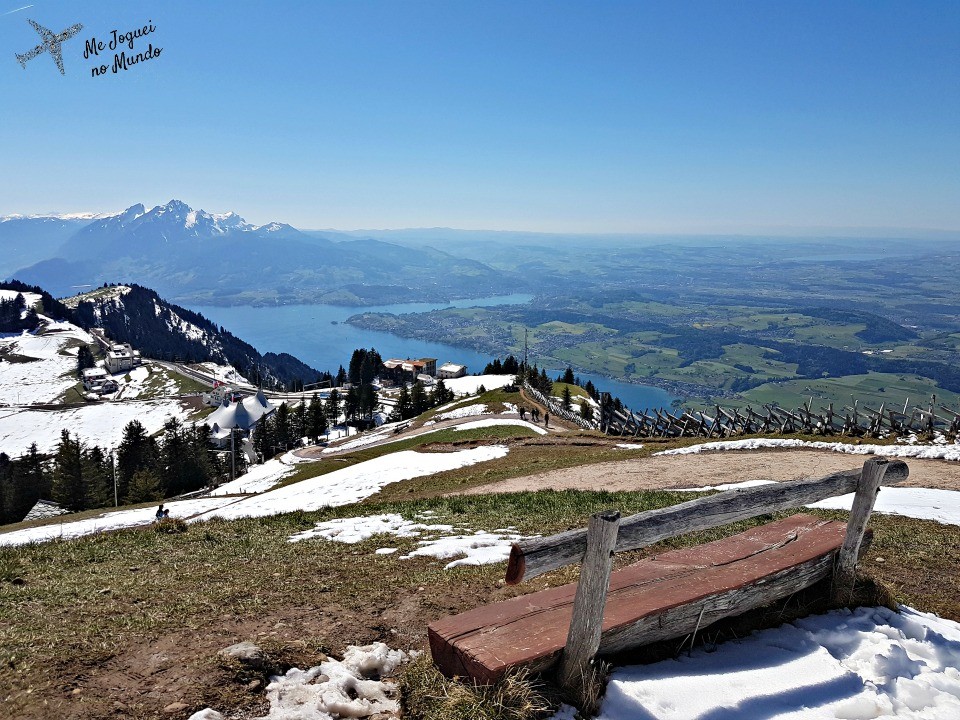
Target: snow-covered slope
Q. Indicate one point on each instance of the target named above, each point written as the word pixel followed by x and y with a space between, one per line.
pixel 39 367
pixel 868 663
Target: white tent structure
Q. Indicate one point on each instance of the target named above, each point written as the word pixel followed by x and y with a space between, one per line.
pixel 244 414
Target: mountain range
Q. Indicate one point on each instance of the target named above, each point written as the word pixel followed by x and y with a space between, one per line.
pixel 165 331
pixel 197 257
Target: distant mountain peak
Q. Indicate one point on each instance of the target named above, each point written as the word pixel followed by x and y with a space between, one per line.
pixel 57 216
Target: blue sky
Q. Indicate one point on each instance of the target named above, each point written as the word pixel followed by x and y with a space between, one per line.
pixel 555 116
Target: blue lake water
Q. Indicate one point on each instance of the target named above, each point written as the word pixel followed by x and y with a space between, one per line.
pixel 318 335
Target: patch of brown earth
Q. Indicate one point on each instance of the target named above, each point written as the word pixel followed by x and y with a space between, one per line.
pixel 667 472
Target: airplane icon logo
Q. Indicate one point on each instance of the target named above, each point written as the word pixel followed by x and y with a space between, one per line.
pixel 51 44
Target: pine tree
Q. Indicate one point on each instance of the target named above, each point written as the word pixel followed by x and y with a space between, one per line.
pixel 333 406
pixel 137 451
pixel 586 411
pixel 263 438
pixel 370 367
pixel 282 427
pixel 351 403
pixel 68 485
pixel 316 419
pixel 97 478
pixel 298 424
pixel 174 465
pixel 418 399
pixel 403 409
pixel 568 376
pixel 591 390
pixel 22 483
pixel 84 359
pixel 566 400
pixel 6 481
pixel 144 487
pixel 544 384
pixel 368 400
pixel 440 393
pixel 204 471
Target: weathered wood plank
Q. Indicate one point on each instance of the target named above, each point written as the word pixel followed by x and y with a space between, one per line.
pixel 583 638
pixel 530 558
pixel 871 476
pixel 658 598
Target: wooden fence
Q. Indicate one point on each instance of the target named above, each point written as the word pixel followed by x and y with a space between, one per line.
pixel 851 420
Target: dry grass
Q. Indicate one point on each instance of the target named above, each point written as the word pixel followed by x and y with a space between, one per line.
pixel 72 608
pixel 428 695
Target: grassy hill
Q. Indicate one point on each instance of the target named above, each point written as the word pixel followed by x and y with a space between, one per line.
pixel 132 620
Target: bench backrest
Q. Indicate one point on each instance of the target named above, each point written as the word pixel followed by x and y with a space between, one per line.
pixel 536 556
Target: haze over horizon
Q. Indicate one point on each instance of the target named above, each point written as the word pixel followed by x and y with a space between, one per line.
pixel 560 117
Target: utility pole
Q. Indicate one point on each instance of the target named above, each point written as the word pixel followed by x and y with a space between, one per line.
pixel 113 462
pixel 233 457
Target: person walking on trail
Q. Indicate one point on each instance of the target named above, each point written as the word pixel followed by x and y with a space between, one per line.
pixel 546 420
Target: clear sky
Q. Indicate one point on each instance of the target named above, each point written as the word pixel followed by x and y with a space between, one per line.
pixel 529 115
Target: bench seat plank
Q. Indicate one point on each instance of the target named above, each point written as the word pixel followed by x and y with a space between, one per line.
pixel 663 596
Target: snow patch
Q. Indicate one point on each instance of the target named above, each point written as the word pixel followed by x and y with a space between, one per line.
pixel 352 484
pixel 257 479
pixel 96 424
pixel 335 689
pixel 462 412
pixel 868 663
pixel 470 547
pixel 469 384
pixel 491 422
pixel 920 452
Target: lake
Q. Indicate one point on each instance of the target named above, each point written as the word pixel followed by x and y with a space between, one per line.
pixel 318 335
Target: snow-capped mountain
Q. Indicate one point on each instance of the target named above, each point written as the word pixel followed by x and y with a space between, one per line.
pixel 137 231
pixel 200 257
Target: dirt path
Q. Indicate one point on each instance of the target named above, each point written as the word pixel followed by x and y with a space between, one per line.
pixel 716 468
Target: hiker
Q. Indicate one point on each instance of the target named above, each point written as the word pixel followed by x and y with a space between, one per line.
pixel 160 512
pixel 546 420
pixel 166 514
pixel 523 412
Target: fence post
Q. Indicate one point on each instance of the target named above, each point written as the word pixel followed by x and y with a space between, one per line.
pixel 583 638
pixel 844 574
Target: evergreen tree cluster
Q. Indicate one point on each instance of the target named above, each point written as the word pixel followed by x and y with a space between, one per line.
pixel 364 366
pixel 81 477
pixel 15 316
pixel 85 359
pixel 49 305
pixel 147 468
pixel 535 377
pixel 510 366
pixel 22 483
pixel 417 400
pixel 285 427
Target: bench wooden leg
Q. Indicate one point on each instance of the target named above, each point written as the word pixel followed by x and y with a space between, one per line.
pixel 844 575
pixel 583 638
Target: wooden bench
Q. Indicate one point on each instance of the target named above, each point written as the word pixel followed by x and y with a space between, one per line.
pixel 666 596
